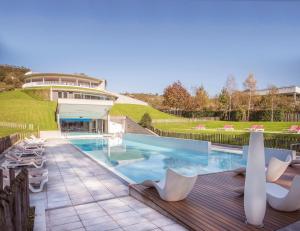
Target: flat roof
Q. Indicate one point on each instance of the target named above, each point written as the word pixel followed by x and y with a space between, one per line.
pixel 36 75
pixel 281 90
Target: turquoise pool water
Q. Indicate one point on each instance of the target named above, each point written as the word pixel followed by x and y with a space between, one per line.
pixel 140 161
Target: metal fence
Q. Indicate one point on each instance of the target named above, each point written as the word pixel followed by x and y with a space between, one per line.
pixel 13 125
pixel 285 141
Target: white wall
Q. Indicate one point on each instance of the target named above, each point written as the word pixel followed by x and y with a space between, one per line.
pixel 114 127
pixel 169 142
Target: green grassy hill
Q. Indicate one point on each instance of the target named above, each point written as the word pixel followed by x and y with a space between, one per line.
pixel 20 107
pixel 135 112
pixel 28 106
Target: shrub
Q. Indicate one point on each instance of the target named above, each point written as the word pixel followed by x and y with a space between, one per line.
pixel 146 121
pixel 38 94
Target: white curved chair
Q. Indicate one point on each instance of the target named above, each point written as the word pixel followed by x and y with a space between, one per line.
pixel 282 199
pixel 276 168
pixel 174 187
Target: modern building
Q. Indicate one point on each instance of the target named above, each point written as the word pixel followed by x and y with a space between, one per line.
pixel 83 103
pixel 292 91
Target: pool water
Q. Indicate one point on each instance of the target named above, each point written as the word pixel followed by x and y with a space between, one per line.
pixel 140 161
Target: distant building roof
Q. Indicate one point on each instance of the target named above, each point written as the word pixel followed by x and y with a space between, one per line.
pixel 290 90
pixel 83 76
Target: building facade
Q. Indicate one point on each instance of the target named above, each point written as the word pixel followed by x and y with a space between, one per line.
pixel 83 103
pixel 291 91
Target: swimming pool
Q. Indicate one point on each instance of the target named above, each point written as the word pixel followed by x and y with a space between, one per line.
pixel 140 157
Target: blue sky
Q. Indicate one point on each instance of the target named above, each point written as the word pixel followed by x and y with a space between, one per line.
pixel 142 46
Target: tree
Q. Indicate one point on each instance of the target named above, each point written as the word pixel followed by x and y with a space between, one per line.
pixel 230 87
pixel 223 101
pixel 11 77
pixel 176 96
pixel 273 92
pixel 250 86
pixel 201 98
pixel 146 121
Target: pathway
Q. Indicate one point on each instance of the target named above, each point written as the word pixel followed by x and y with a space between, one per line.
pixel 82 195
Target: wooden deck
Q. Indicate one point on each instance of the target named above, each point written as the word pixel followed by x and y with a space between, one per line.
pixel 213 204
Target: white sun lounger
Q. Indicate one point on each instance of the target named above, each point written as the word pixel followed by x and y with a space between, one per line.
pixel 38 177
pixel 174 187
pixel 23 154
pixel 25 148
pixel 15 164
pixel 34 138
pixel 32 143
pixel 15 157
pixel 282 199
pixel 36 184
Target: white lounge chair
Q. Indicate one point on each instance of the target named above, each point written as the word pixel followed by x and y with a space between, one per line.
pixel 36 184
pixel 26 158
pixel 23 154
pixel 26 148
pixel 282 199
pixel 32 143
pixel 276 168
pixel 37 178
pixel 34 138
pixel 174 187
pixel 15 164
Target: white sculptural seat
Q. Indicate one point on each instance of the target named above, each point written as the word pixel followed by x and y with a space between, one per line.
pixel 174 187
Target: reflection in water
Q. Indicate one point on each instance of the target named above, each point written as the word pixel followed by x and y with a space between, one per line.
pixel 140 161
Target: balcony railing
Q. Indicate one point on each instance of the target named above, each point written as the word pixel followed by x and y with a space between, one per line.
pixel 57 83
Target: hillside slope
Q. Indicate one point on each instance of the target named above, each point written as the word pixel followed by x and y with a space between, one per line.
pixel 17 106
pixel 135 112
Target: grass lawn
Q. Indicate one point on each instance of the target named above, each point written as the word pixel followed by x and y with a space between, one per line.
pixel 211 126
pixel 17 106
pixel 135 112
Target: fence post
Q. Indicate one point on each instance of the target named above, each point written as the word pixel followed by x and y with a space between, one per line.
pixel 1 179
pixel 11 176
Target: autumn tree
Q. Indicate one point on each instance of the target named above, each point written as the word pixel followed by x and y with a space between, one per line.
pixel 250 87
pixel 177 97
pixel 230 87
pixel 11 77
pixel 201 98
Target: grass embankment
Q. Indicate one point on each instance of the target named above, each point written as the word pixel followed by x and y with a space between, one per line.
pixel 212 126
pixel 26 107
pixel 135 112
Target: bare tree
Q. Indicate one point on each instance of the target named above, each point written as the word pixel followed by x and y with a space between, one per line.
pixel 230 87
pixel 250 86
pixel 273 91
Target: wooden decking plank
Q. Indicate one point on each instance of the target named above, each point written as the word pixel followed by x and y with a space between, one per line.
pixel 213 204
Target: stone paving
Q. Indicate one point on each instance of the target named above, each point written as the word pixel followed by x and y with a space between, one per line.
pixel 82 195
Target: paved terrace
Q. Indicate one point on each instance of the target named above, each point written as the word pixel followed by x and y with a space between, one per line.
pixel 82 195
